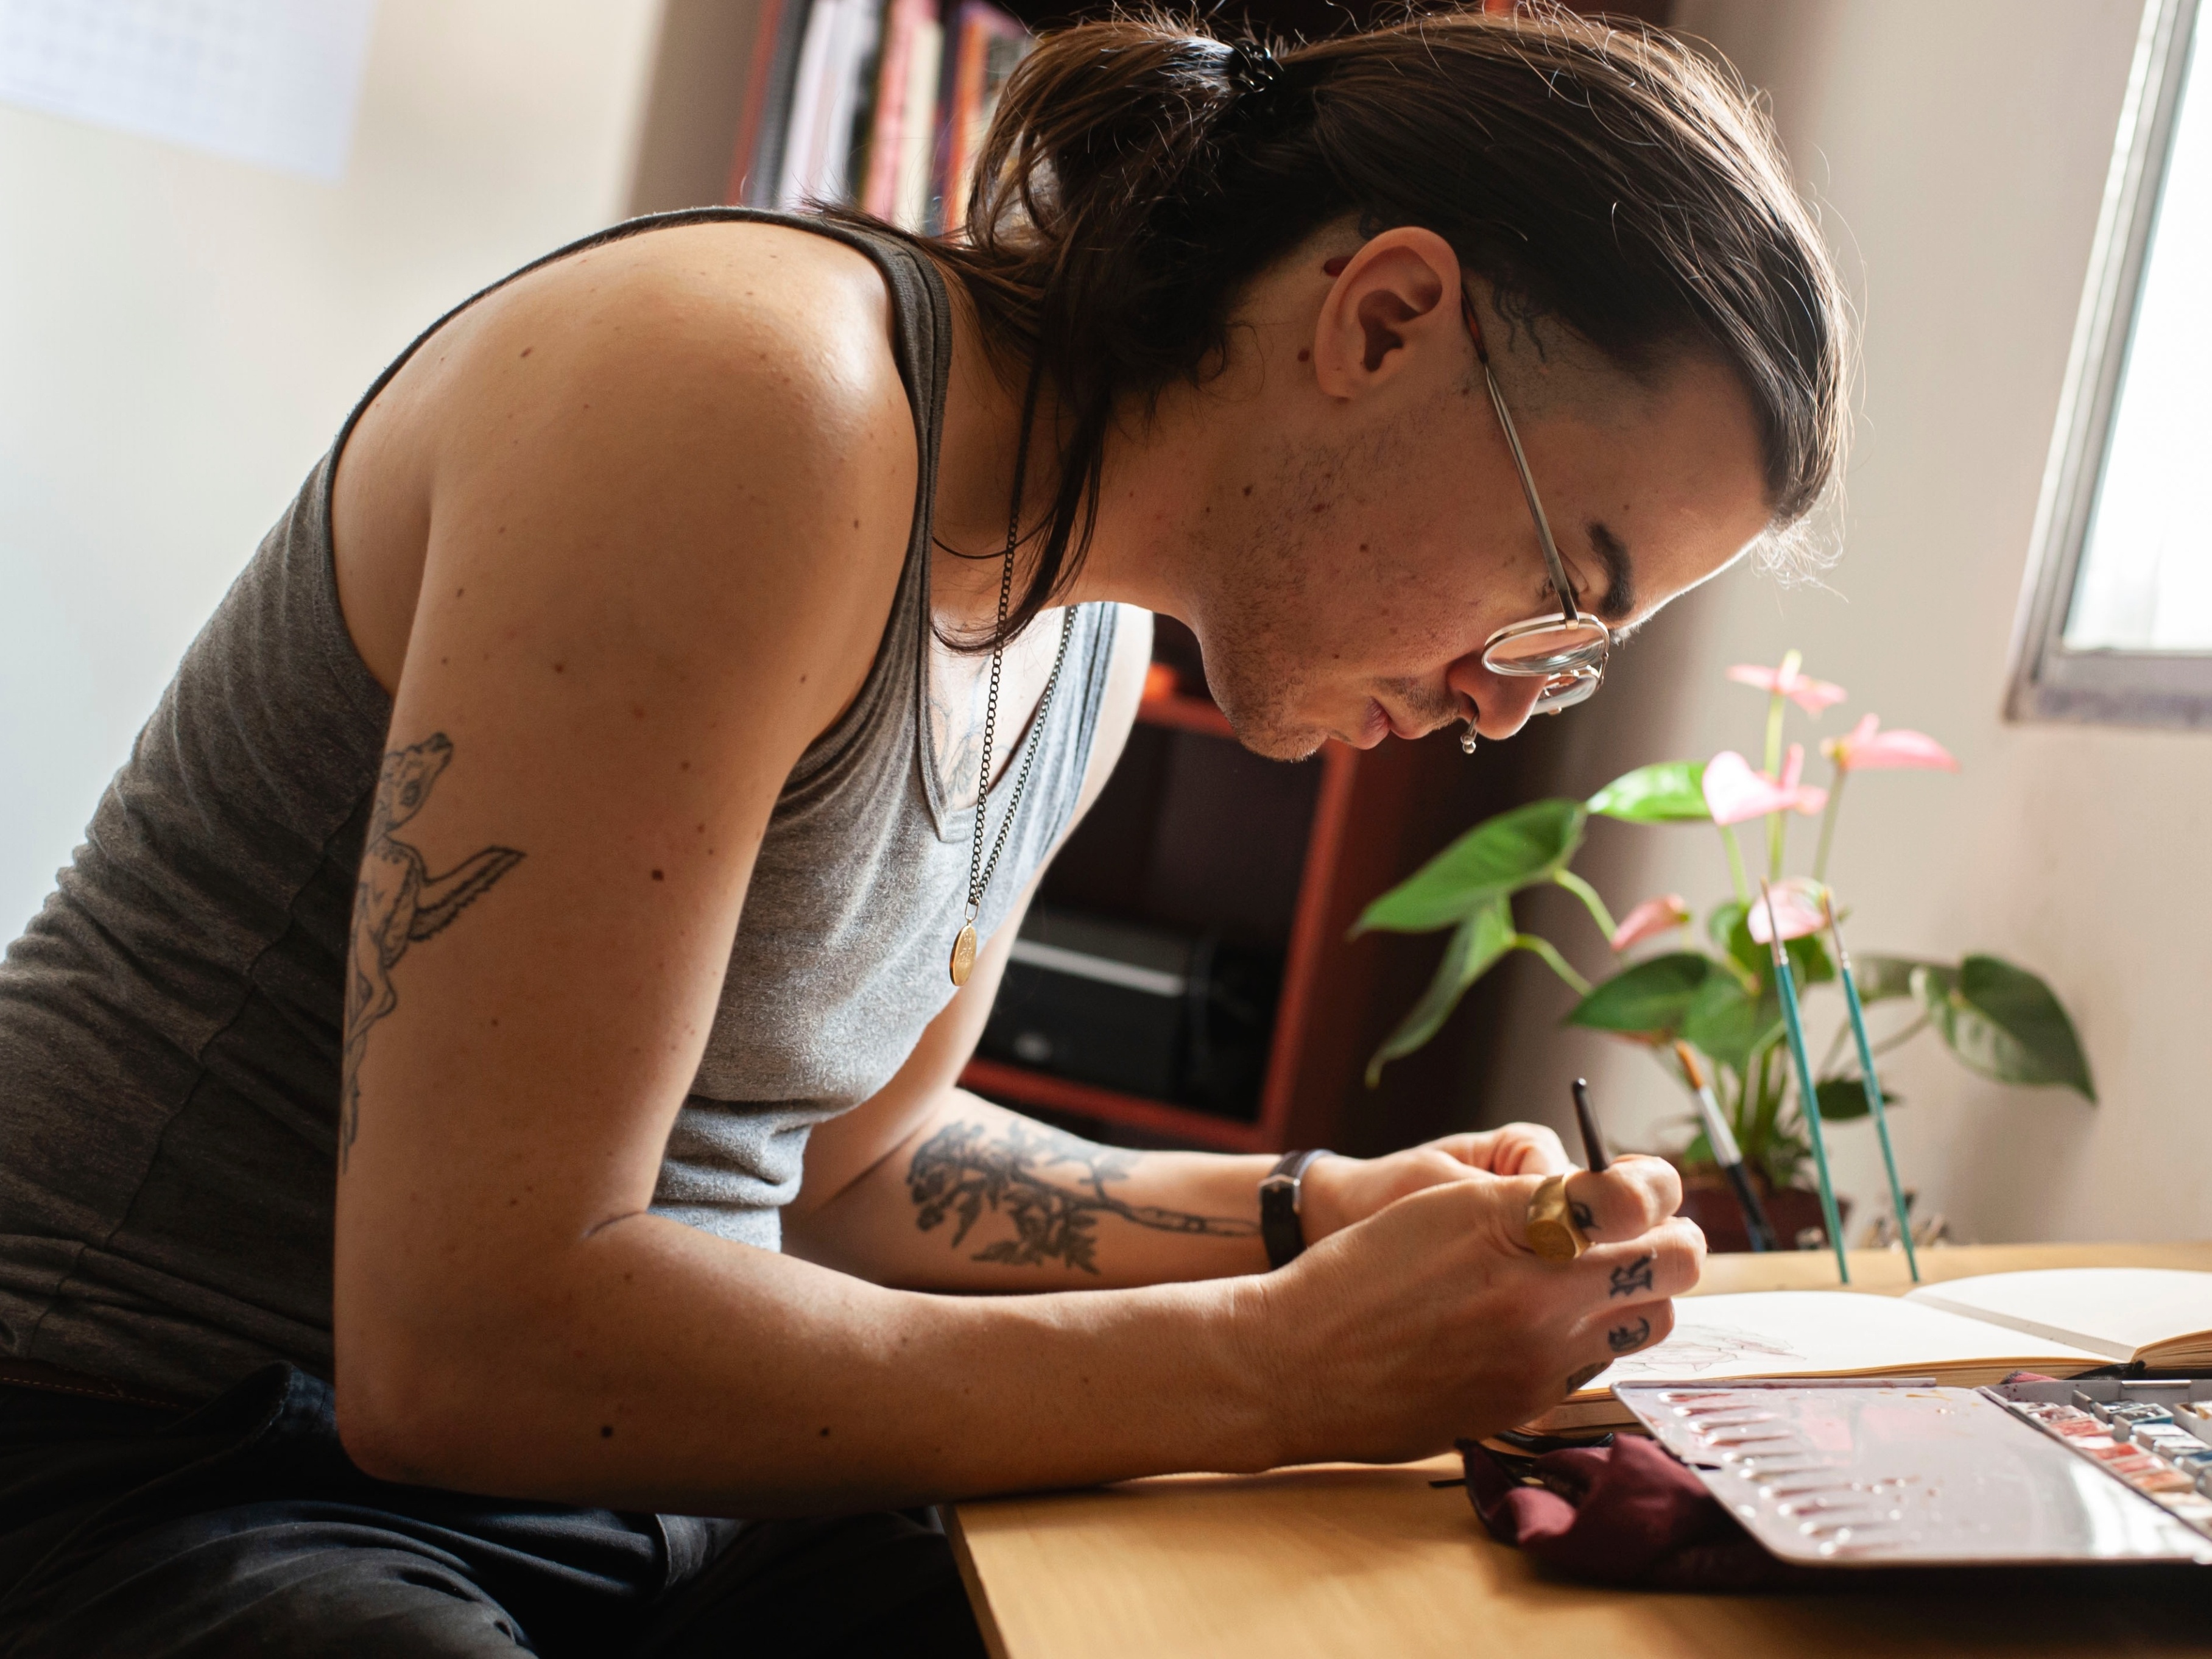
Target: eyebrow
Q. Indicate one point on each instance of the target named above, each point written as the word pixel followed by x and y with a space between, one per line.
pixel 1619 599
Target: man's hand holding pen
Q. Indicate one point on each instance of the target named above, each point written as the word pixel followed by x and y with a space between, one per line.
pixel 1420 1313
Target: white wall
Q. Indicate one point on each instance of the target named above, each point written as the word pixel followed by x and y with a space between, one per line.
pixel 1960 151
pixel 180 336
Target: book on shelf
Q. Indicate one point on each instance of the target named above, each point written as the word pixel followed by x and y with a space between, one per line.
pixel 1966 1332
pixel 988 45
pixel 882 104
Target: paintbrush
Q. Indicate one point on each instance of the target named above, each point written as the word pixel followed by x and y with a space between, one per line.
pixel 1872 1083
pixel 1722 1139
pixel 1785 987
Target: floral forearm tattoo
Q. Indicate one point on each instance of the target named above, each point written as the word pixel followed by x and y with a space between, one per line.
pixel 1050 1184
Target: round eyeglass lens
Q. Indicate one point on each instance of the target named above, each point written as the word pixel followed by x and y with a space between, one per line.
pixel 1565 690
pixel 1548 646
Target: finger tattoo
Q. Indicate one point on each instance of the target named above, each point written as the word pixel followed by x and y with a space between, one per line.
pixel 1636 1276
pixel 1581 1211
pixel 1582 1377
pixel 1622 1338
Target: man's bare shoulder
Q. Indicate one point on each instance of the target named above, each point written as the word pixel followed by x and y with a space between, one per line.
pixel 764 326
pixel 717 406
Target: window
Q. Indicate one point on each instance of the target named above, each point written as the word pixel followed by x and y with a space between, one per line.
pixel 2117 621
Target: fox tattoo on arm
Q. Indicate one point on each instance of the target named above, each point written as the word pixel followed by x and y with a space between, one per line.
pixel 398 901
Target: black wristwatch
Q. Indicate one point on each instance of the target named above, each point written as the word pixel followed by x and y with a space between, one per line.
pixel 1280 1229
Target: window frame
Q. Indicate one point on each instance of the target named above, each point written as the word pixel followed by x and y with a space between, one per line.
pixel 2049 679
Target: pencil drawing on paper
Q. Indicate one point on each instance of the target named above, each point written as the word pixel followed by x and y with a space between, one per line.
pixel 1700 1349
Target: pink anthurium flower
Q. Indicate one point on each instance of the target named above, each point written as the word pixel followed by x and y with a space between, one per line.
pixel 1734 793
pixel 1796 910
pixel 1650 919
pixel 1867 748
pixel 1788 681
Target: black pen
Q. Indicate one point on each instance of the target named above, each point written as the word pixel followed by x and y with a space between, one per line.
pixel 1555 1221
pixel 1594 1152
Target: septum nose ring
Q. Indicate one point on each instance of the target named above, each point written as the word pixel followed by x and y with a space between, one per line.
pixel 1467 738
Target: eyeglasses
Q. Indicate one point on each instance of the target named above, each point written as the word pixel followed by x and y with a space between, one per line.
pixel 1566 650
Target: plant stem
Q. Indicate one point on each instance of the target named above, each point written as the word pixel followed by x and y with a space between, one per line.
pixel 1774 825
pixel 1828 823
pixel 1774 724
pixel 1900 1039
pixel 1835 1050
pixel 1543 948
pixel 1588 894
pixel 1735 865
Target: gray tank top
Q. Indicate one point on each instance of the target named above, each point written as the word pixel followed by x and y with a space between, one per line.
pixel 170 1023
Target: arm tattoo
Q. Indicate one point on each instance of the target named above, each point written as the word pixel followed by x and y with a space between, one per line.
pixel 1621 1338
pixel 963 1170
pixel 398 903
pixel 1636 1276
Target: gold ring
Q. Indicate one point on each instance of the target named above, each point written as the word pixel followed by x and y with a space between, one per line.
pixel 1552 1231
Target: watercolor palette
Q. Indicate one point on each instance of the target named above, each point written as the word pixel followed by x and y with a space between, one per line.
pixel 1894 1472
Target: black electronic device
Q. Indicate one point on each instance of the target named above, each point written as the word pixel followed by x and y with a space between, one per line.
pixel 1147 1011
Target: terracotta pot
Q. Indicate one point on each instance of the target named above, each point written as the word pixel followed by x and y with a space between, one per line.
pixel 1709 1200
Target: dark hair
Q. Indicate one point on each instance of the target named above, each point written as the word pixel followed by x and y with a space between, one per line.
pixel 1139 173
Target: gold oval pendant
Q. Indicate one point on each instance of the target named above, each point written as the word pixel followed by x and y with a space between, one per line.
pixel 963 954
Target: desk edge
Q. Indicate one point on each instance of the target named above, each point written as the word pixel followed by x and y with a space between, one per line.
pixel 978 1599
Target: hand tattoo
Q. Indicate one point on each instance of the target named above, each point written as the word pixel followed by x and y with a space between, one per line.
pixel 1622 1338
pixel 961 1171
pixel 398 903
pixel 1636 1276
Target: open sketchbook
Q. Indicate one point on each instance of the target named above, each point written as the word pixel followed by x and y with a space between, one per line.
pixel 1966 1332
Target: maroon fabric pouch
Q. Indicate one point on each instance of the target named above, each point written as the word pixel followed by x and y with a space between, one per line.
pixel 1627 1513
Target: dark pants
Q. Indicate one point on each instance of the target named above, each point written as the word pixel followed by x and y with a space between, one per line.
pixel 243 1528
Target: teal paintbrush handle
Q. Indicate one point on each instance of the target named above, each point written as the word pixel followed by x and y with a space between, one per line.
pixel 1873 1085
pixel 1786 983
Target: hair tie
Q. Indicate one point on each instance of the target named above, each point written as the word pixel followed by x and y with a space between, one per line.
pixel 1252 68
pixel 1255 81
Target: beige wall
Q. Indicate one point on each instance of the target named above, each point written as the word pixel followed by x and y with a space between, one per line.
pixel 1959 150
pixel 180 336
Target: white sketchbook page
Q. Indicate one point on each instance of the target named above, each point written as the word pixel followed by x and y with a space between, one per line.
pixel 2115 1310
pixel 1824 1333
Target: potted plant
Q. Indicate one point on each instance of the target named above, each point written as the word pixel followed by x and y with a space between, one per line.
pixel 1717 991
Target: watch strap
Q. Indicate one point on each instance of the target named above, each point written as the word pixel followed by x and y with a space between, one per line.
pixel 1280 1228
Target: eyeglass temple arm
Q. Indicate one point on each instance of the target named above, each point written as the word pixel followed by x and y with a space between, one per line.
pixel 1553 561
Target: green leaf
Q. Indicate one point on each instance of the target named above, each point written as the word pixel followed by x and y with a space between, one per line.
pixel 1882 978
pixel 2004 1023
pixel 1495 858
pixel 1728 927
pixel 1652 996
pixel 1842 1098
pixel 1730 1024
pixel 1809 961
pixel 1671 792
pixel 1475 947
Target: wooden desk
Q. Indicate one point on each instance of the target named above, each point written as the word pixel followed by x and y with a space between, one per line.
pixel 1367 1563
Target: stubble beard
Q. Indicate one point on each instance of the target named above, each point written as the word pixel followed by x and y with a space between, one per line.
pixel 1258 656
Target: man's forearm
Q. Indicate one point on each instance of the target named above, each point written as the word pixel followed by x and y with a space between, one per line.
pixel 657 1368
pixel 978 1198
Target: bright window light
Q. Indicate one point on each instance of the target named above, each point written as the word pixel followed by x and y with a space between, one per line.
pixel 2116 619
pixel 2146 575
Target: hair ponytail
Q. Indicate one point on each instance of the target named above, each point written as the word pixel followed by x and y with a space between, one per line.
pixel 1140 171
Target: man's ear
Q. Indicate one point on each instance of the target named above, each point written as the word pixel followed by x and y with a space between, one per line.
pixel 1396 302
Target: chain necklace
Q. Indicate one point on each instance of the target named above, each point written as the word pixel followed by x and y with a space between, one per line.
pixel 980 871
